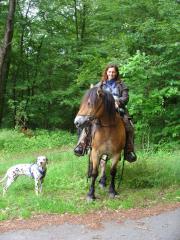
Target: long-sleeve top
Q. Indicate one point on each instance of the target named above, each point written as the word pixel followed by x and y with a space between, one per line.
pixel 118 89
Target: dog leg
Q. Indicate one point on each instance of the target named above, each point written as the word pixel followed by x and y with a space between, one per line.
pixel 36 187
pixel 40 183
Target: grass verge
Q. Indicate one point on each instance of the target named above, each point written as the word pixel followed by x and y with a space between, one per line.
pixel 153 179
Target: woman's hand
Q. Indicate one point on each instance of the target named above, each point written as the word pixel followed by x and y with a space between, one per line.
pixel 117 104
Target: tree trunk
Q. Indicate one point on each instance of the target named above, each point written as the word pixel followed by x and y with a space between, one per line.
pixel 5 50
pixel 83 22
pixel 76 20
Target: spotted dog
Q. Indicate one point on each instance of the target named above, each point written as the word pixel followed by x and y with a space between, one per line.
pixel 36 170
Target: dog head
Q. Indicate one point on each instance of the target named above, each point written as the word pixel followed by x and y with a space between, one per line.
pixel 42 161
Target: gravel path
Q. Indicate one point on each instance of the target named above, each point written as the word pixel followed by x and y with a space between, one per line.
pixel 161 226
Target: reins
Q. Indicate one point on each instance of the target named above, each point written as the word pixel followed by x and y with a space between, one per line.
pixel 98 121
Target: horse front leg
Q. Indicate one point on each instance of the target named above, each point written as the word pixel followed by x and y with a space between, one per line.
pixel 94 163
pixel 112 191
pixel 91 194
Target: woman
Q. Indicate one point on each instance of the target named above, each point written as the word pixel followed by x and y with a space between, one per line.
pixel 112 83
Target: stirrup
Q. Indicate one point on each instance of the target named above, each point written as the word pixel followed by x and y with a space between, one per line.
pixel 79 150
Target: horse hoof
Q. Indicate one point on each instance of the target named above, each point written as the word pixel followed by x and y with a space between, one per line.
pixel 112 195
pixel 90 198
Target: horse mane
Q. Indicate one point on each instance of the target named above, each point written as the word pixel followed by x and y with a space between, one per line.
pixel 108 100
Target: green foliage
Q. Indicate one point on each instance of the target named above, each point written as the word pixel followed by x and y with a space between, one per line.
pixel 60 49
pixel 153 179
pixel 13 141
pixel 160 169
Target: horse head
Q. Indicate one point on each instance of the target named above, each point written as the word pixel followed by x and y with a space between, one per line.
pixel 91 107
pixel 96 104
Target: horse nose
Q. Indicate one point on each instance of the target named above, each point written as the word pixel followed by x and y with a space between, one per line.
pixel 77 121
pixel 76 124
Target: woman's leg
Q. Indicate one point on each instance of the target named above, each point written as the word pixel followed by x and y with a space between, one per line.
pixel 83 142
pixel 129 153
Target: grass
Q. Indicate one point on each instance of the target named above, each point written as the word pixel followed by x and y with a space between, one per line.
pixel 154 178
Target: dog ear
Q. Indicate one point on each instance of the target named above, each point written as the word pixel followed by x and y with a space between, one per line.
pixel 47 160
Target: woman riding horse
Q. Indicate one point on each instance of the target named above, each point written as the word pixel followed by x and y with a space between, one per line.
pixel 112 83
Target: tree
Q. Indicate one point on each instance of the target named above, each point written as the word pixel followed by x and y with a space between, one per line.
pixel 5 50
pixel 60 47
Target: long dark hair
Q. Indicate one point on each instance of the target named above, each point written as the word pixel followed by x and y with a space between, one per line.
pixel 104 74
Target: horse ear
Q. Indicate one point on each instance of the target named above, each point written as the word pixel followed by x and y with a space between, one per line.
pixel 92 85
pixel 99 92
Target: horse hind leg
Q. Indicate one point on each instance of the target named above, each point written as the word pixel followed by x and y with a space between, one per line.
pixel 112 191
pixel 90 168
pixel 102 181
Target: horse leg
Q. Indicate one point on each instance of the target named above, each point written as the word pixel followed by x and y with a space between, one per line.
pixel 112 191
pixel 102 181
pixel 90 167
pixel 94 174
pixel 91 195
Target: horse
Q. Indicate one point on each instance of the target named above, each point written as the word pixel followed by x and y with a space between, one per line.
pixel 108 137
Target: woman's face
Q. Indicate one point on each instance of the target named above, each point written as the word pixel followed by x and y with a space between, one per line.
pixel 111 73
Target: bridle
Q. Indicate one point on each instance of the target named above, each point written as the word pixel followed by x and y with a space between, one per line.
pixel 96 120
pixel 93 117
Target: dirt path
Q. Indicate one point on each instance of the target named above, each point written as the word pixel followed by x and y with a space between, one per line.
pixel 161 222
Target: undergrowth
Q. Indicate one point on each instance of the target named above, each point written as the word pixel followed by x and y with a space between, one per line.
pixel 152 179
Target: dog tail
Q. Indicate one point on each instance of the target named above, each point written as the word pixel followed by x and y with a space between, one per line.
pixel 2 180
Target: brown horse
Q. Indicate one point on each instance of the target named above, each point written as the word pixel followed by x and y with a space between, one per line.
pixel 108 137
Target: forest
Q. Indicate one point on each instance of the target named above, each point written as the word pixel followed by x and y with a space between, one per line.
pixel 50 54
pixel 51 51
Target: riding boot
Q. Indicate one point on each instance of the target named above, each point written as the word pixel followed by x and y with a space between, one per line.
pixel 83 142
pixel 129 153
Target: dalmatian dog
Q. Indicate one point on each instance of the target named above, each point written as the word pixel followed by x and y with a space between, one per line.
pixel 36 170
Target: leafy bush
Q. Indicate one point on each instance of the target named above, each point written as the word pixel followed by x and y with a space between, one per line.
pixel 15 141
pixel 154 169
